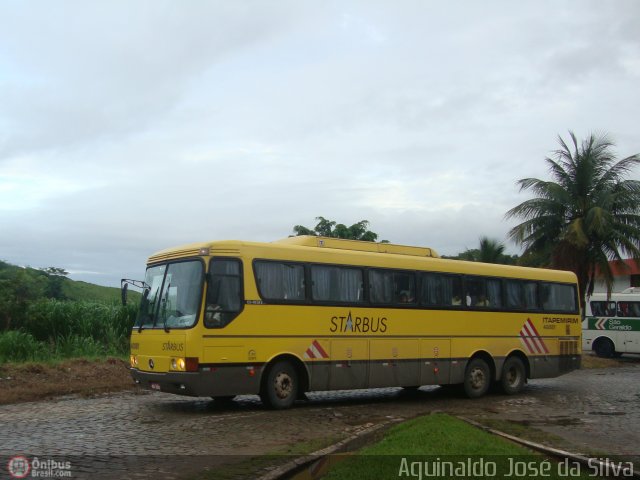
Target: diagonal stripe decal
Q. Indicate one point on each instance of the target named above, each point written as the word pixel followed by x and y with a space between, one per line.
pixel 315 350
pixel 531 339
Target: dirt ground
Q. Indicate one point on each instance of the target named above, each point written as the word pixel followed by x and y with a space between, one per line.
pixel 28 382
pixel 37 381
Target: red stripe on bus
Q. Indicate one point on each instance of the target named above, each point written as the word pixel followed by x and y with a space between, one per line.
pixel 531 337
pixel 526 342
pixel 320 349
pixel 533 327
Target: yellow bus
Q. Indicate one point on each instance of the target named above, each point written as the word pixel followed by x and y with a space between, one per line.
pixel 302 314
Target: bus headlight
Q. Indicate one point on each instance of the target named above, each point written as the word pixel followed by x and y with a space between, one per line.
pixel 133 360
pixel 178 364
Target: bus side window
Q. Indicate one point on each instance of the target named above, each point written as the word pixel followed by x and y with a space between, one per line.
pixel 224 292
pixel 515 294
pixel 441 290
pixel 557 297
pixel 597 309
pixel 280 280
pixel 381 286
pixel 404 287
pixel 336 284
pixel 628 309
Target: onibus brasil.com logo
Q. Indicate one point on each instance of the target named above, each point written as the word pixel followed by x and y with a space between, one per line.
pixel 21 467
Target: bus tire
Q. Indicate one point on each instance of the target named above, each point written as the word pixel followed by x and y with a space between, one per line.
pixel 514 376
pixel 281 385
pixel 604 348
pixel 477 378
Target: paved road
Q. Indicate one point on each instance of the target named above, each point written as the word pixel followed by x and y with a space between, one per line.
pixel 151 435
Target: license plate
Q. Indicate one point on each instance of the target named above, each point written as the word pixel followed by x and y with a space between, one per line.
pixel 154 386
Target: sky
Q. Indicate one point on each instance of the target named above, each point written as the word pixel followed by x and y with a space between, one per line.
pixel 129 127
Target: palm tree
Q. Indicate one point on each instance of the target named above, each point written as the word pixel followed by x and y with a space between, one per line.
pixel 587 216
pixel 490 251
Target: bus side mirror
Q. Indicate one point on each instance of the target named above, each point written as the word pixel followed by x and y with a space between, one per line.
pixel 123 293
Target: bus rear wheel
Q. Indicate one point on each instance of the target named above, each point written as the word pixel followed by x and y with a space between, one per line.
pixel 513 376
pixel 280 388
pixel 477 378
pixel 604 348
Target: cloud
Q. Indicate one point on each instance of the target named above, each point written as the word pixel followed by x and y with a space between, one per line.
pixel 127 128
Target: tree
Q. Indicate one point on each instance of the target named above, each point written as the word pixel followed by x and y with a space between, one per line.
pixel 328 228
pixel 18 287
pixel 586 216
pixel 490 251
pixel 56 277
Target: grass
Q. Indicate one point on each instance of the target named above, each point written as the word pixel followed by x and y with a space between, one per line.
pixel 252 467
pixel 421 446
pixel 57 329
pixel 78 290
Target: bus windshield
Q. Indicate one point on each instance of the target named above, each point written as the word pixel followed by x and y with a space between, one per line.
pixel 173 297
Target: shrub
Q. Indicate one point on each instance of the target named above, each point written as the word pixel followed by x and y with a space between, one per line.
pixel 18 346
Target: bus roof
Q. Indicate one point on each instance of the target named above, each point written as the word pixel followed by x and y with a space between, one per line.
pixel 357 253
pixel 357 245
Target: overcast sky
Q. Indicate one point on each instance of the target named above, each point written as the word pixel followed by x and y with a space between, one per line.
pixel 128 127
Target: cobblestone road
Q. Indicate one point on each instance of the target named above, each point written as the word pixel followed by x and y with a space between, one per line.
pixel 149 435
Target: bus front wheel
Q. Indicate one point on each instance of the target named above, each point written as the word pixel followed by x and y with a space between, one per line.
pixel 280 389
pixel 477 378
pixel 513 376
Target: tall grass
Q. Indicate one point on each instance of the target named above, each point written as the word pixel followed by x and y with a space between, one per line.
pixel 17 346
pixel 55 329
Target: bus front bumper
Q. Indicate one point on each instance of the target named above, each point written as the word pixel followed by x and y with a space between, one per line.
pixel 233 380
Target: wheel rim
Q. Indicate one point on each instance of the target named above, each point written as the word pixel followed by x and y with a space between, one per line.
pixel 283 385
pixel 513 377
pixel 478 378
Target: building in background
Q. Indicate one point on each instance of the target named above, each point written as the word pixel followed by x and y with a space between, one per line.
pixel 626 274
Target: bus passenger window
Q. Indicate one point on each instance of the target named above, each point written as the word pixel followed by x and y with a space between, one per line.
pixel 475 295
pixel 404 285
pixel 441 290
pixel 558 297
pixel 597 309
pixel 515 294
pixel 336 284
pixel 280 281
pixel 381 286
pixel 494 293
pixel 628 309
pixel 224 293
